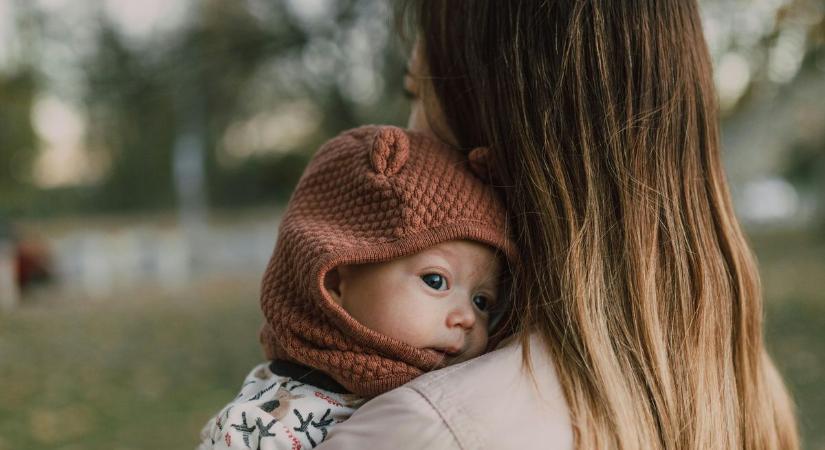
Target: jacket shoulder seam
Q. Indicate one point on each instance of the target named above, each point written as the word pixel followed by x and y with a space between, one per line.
pixel 445 419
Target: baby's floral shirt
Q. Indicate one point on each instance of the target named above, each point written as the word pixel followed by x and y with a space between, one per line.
pixel 275 412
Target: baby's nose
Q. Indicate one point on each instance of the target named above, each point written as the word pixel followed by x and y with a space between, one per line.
pixel 461 315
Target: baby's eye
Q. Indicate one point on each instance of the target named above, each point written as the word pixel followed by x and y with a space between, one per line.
pixel 435 281
pixel 481 302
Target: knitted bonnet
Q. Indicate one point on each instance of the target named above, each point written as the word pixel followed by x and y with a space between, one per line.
pixel 370 194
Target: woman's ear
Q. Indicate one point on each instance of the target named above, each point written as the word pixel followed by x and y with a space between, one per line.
pixel 332 284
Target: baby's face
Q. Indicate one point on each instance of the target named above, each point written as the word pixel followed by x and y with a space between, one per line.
pixel 438 299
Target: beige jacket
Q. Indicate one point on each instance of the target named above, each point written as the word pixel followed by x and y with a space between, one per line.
pixel 489 402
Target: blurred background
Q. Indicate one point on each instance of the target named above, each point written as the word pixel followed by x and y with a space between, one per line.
pixel 147 148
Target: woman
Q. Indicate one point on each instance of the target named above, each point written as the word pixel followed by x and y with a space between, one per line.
pixel 637 305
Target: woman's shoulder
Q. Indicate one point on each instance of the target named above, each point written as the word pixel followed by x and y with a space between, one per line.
pixel 488 402
pixel 493 401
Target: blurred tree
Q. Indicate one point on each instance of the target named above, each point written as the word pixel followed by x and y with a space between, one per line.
pixel 230 63
pixel 140 100
pixel 19 85
pixel 130 113
pixel 770 74
pixel 18 140
pixel 219 54
pixel 803 162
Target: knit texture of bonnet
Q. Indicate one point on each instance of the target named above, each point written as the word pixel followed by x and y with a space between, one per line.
pixel 370 194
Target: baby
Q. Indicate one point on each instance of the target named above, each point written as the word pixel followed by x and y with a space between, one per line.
pixel 388 264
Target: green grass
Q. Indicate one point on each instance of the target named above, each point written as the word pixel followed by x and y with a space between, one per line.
pixel 140 374
pixel 795 332
pixel 147 370
pixel 793 276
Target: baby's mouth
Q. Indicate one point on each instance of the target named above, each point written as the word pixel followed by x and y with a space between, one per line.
pixel 445 354
pixel 452 352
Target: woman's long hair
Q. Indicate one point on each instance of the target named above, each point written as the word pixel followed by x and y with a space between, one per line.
pixel 603 122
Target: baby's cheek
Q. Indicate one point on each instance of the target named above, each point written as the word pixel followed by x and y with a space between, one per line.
pixel 400 326
pixel 415 334
pixel 479 343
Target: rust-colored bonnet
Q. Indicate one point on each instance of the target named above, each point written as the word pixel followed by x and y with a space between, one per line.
pixel 370 194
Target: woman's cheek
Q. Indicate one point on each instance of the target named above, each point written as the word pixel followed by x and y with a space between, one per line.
pixel 418 119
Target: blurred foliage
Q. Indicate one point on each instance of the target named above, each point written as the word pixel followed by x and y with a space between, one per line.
pixel 782 47
pixel 225 64
pixel 259 180
pixel 229 62
pixel 18 141
pixel 130 112
pixel 804 163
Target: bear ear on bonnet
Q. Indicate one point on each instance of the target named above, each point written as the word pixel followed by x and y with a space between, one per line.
pixel 390 150
pixel 480 159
